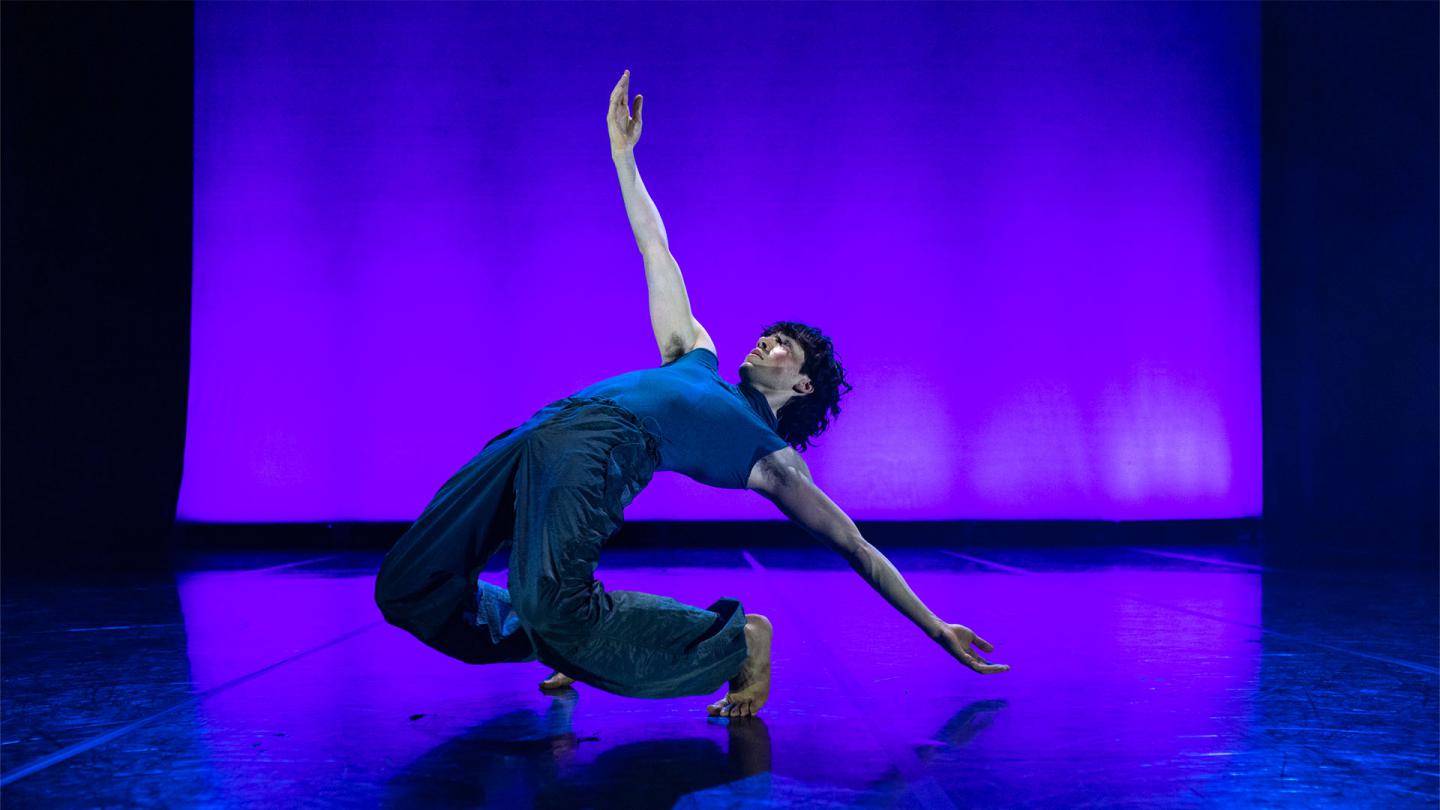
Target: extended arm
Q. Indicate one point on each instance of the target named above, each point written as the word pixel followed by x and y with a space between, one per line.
pixel 644 216
pixel 789 486
pixel 784 478
pixel 676 330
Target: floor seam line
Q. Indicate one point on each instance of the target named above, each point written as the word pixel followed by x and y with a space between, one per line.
pixel 81 747
pixel 1195 558
pixel 992 564
pixel 1301 639
pixel 283 566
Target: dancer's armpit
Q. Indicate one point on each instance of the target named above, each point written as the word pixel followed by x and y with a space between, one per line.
pixel 790 489
pixel 676 330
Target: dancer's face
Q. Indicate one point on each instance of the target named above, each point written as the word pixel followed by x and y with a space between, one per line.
pixel 775 364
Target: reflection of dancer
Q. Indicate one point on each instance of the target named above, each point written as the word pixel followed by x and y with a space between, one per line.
pixel 524 759
pixel 556 487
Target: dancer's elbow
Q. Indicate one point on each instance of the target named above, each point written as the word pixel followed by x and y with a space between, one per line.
pixel 856 551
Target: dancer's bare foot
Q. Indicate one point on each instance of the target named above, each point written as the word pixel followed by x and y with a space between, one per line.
pixel 750 688
pixel 557 680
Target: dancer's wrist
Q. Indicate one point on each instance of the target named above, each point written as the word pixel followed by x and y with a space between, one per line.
pixel 935 628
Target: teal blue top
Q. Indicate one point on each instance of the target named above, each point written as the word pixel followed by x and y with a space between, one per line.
pixel 709 430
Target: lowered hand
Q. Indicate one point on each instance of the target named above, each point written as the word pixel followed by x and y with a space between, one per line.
pixel 957 638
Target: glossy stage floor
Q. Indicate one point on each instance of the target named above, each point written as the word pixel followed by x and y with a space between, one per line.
pixel 1142 678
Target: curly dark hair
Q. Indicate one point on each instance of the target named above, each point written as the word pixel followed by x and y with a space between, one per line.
pixel 805 417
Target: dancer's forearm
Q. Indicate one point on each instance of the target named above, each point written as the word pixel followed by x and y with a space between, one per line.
pixel 882 575
pixel 644 216
pixel 784 478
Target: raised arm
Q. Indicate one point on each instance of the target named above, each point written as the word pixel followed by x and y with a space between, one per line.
pixel 676 330
pixel 784 478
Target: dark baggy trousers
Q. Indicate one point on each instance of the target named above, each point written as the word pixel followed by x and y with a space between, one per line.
pixel 555 488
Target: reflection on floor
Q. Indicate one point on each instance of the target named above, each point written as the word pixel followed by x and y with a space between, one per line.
pixel 1141 677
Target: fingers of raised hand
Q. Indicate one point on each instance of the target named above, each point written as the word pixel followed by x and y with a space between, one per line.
pixel 621 93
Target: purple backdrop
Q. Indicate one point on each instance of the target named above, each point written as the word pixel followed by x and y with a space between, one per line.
pixel 1032 230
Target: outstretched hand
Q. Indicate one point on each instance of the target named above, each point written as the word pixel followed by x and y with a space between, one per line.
pixel 957 638
pixel 624 130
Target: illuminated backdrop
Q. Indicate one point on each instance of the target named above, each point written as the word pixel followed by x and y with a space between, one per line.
pixel 1030 228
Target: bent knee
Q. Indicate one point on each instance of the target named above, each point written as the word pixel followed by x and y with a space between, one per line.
pixel 387 589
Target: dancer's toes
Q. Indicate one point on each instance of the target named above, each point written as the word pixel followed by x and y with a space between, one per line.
pixel 750 687
pixel 734 706
pixel 557 680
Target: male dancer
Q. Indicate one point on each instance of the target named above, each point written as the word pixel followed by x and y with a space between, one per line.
pixel 555 489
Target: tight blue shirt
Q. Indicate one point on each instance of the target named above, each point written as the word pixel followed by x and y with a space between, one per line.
pixel 709 430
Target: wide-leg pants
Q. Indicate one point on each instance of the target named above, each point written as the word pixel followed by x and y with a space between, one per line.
pixel 555 488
